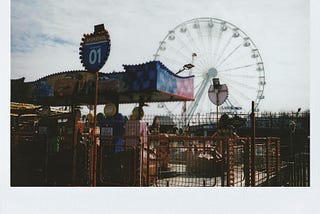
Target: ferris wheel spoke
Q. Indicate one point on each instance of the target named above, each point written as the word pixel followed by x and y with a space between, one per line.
pixel 237 68
pixel 229 55
pixel 228 102
pixel 239 75
pixel 198 85
pixel 202 43
pixel 216 49
pixel 240 83
pixel 179 53
pixel 198 51
pixel 199 76
pixel 234 62
pixel 184 45
pixel 201 87
pixel 240 93
pixel 209 55
pixel 224 49
pixel 200 62
pixel 234 102
pixel 194 105
pixel 202 68
pixel 176 62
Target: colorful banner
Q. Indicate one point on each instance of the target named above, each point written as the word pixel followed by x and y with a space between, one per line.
pixel 154 75
pixel 152 80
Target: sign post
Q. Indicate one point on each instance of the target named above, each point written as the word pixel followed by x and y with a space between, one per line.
pixel 94 52
pixel 217 94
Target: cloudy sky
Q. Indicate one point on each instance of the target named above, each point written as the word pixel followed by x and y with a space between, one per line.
pixel 45 37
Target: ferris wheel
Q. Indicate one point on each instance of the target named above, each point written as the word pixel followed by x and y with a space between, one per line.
pixel 213 48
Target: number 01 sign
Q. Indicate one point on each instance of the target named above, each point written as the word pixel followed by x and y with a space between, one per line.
pixel 95 49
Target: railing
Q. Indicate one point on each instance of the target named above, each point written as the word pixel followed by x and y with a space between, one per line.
pixel 186 161
pixel 212 161
pixel 170 160
pixel 208 121
pixel 179 161
pixel 296 173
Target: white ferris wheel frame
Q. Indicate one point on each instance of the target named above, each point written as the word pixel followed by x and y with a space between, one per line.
pixel 246 42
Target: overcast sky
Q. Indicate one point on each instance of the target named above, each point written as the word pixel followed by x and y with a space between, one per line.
pixel 45 37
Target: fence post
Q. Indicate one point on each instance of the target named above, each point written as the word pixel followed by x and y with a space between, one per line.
pixel 141 164
pixel 223 162
pixel 246 163
pixel 277 160
pixel 148 164
pixel 215 166
pixel 267 160
pixel 253 136
pixel 228 162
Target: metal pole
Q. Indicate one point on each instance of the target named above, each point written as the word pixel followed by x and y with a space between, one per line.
pixel 267 159
pixel 94 143
pixel 228 162
pixel 141 162
pixel 253 136
pixel 217 109
pixel 291 146
pixel 223 165
pixel 247 163
pixel 148 164
pixel 46 159
pixel 278 167
pixel 74 145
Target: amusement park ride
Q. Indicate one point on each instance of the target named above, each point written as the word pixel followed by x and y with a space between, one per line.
pixel 143 83
pixel 216 49
pixel 210 49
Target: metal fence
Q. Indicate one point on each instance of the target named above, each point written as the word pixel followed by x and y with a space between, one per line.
pixel 296 173
pixel 213 161
pixel 208 120
pixel 177 156
pixel 187 161
pixel 162 160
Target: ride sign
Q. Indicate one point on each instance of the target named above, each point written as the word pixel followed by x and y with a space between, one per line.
pixel 95 49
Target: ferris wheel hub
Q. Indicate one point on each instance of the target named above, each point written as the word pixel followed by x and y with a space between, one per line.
pixel 212 72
